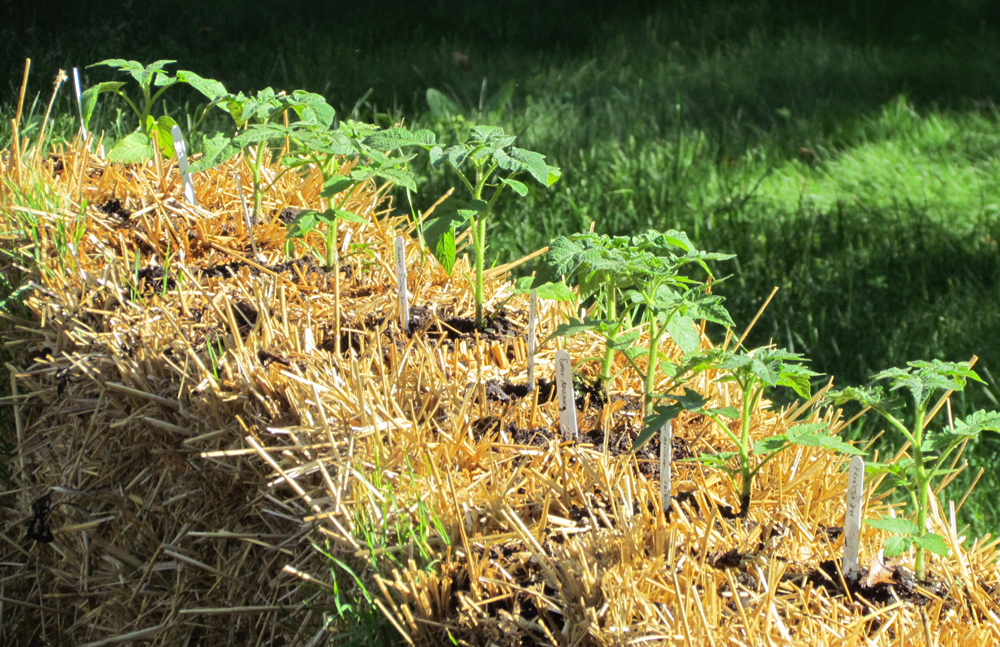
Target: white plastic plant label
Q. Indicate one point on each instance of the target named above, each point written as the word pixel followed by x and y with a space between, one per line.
pixel 532 316
pixel 79 101
pixel 852 519
pixel 182 164
pixel 404 302
pixel 666 443
pixel 565 395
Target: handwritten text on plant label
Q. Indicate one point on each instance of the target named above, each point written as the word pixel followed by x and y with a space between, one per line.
pixel 567 400
pixel 852 521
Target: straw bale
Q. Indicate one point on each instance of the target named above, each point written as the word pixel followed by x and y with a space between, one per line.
pixel 202 445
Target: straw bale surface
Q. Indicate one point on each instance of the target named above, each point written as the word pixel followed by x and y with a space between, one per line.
pixel 211 445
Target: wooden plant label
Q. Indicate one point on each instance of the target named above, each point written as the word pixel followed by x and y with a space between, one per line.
pixel 565 395
pixel 404 302
pixel 79 101
pixel 666 443
pixel 532 316
pixel 852 519
pixel 182 163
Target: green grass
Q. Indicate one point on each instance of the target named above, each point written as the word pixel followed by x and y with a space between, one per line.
pixel 846 154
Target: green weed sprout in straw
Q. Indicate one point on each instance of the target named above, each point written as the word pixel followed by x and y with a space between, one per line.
pixel 922 381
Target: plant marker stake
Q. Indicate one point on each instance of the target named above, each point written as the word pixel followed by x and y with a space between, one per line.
pixel 852 520
pixel 182 164
pixel 79 102
pixel 567 399
pixel 246 216
pixel 532 316
pixel 404 302
pixel 666 443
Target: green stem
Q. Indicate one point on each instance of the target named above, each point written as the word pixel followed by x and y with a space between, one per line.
pixel 750 398
pixel 654 343
pixel 607 365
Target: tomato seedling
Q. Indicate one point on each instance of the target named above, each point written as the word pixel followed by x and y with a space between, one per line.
pixel 916 474
pixel 753 372
pixel 634 285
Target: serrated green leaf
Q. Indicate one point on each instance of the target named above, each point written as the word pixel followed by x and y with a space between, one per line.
pixel 212 89
pixel 135 148
pixel 933 543
pixel 312 108
pixel 394 138
pixel 896 545
pixel 484 134
pixel 399 177
pixel 219 148
pixel 895 526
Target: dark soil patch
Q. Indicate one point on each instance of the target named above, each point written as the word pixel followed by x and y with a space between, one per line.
pixel 288 214
pixel 904 585
pixel 498 327
pixel 228 270
pixel 155 278
pixel 117 211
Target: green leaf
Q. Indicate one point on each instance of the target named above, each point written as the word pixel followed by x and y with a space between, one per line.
pixel 439 231
pixel 303 223
pixel 519 188
pixel 977 422
pixel 211 88
pixel 771 445
pixel 312 108
pixel 393 138
pixel 555 291
pixel 895 526
pixel 653 425
pixel 484 134
pixel 933 543
pixel 135 148
pixel 684 333
pixel 162 129
pixel 336 184
pixel 517 160
pixel 718 461
pixel 88 100
pixel 441 105
pixel 399 177
pixel 329 216
pixel 896 545
pixel 219 148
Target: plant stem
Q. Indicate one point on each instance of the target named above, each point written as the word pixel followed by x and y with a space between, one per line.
pixel 749 399
pixel 654 343
pixel 607 365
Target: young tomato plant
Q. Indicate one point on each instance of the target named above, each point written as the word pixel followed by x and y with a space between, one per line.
pixel 486 164
pixel 634 285
pixel 253 116
pixel 753 372
pixel 138 146
pixel 922 380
